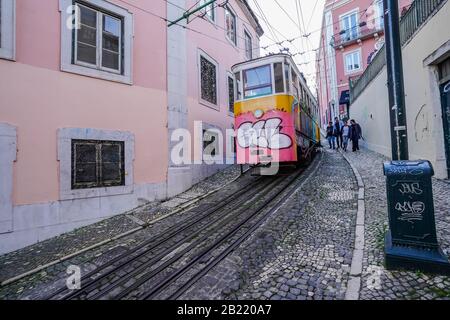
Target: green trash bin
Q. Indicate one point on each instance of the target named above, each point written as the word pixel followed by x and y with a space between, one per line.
pixel 411 242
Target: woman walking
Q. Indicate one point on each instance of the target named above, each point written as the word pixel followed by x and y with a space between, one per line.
pixel 345 135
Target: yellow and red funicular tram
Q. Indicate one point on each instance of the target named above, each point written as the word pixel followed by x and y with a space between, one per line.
pixel 275 112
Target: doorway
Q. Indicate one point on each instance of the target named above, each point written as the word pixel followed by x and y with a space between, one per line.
pixel 444 77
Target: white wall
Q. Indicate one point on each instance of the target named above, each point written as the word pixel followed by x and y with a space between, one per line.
pixel 423 105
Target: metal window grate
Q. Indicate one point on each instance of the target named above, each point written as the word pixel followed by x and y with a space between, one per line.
pixel 210 143
pixel 97 164
pixel 208 74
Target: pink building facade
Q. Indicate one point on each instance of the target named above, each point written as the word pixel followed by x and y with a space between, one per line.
pixel 89 101
pixel 352 34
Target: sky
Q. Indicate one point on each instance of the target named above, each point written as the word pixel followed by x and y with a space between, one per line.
pixel 279 25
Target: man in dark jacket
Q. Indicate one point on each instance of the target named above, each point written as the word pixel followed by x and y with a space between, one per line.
pixel 338 132
pixel 355 134
pixel 330 135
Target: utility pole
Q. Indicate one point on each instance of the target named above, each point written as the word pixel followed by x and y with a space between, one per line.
pixel 411 242
pixel 187 14
pixel 397 109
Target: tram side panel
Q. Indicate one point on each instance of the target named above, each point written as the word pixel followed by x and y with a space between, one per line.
pixel 265 130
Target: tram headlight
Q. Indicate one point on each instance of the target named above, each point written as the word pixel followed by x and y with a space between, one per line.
pixel 258 114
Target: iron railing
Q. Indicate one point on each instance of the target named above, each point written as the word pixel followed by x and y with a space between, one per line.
pixel 359 33
pixel 411 21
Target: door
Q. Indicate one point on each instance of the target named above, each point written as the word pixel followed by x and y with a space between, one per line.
pixel 445 96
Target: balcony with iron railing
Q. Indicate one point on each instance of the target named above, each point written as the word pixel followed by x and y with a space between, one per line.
pixel 417 14
pixel 357 34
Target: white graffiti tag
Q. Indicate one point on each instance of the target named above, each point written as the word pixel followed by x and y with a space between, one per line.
pixel 263 134
pixel 411 211
pixel 411 188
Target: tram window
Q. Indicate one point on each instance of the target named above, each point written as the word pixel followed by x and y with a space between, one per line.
pixel 295 84
pixel 230 94
pixel 279 82
pixel 286 76
pixel 257 82
pixel 237 76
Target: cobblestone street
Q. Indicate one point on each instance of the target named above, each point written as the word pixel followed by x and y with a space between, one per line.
pixel 377 282
pixel 304 251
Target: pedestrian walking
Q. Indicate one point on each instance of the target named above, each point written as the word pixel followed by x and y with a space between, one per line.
pixel 330 135
pixel 345 135
pixel 355 135
pixel 338 132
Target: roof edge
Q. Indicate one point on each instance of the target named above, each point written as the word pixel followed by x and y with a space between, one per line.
pixel 251 14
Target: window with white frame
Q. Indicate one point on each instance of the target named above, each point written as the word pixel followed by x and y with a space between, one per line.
pixel 208 69
pixel 352 61
pixel 379 11
pixel 230 23
pixel 248 45
pixel 98 39
pixel 349 25
pixel 7 29
pixel 99 42
pixel 209 11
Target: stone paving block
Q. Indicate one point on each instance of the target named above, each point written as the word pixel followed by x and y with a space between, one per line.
pixel 412 284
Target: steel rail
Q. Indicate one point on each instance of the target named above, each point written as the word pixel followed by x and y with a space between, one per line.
pixel 167 237
pixel 203 253
pixel 183 225
pixel 178 273
pixel 231 216
pixel 234 245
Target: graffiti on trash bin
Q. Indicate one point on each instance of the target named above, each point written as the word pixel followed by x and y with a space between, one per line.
pixel 410 211
pixel 412 188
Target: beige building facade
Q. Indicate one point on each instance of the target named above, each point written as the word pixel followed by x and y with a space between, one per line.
pixel 426 61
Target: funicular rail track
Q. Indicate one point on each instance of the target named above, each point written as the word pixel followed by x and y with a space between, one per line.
pixel 123 259
pixel 167 265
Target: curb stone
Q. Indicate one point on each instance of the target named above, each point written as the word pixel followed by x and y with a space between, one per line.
pixel 354 284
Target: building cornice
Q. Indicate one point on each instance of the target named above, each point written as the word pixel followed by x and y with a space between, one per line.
pixel 335 5
pixel 248 11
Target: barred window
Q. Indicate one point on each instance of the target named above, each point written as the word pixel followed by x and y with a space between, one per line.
pixel 230 94
pixel 208 83
pixel 210 143
pixel 97 164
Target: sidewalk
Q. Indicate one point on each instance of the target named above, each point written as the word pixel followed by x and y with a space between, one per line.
pixel 377 282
